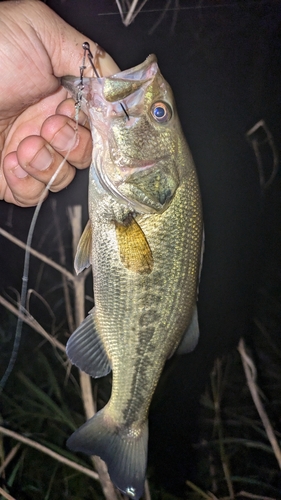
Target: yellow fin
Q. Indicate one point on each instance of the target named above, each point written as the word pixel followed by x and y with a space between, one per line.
pixel 134 249
pixel 84 250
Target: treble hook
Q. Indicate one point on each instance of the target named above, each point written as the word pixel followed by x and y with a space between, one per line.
pixel 87 50
pixel 86 47
pixel 125 111
pixel 80 87
pixel 82 68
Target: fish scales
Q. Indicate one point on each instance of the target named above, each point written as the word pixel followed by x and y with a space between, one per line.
pixel 123 304
pixel 144 240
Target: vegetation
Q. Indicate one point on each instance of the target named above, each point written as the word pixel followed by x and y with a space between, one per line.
pixel 45 399
pixel 43 403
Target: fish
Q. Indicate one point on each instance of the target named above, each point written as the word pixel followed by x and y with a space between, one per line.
pixel 144 242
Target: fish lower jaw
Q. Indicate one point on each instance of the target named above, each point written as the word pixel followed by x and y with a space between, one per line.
pixel 138 166
pixel 131 166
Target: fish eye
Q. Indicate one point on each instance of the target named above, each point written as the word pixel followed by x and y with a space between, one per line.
pixel 161 112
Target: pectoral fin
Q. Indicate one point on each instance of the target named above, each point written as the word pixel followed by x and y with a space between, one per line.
pixel 134 250
pixel 191 336
pixel 85 349
pixel 84 249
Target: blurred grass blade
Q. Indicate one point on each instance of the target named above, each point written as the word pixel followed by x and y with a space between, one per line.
pixel 47 401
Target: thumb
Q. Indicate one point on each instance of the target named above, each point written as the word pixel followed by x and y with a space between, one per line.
pixel 63 43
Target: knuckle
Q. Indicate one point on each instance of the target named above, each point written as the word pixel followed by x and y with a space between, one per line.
pixel 64 179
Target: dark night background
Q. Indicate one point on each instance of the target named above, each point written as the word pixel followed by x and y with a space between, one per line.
pixel 222 60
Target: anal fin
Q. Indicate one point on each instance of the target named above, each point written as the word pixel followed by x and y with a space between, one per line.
pixel 85 349
pixel 191 336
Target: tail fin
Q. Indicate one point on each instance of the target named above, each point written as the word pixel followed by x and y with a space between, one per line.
pixel 124 454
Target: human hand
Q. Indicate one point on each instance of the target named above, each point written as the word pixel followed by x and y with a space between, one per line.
pixel 37 126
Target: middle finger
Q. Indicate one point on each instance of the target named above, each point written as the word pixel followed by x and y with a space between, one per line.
pixel 62 133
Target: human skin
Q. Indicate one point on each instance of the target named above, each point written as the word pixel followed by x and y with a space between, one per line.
pixel 37 127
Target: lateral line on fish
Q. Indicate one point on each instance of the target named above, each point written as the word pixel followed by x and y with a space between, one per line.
pixel 22 308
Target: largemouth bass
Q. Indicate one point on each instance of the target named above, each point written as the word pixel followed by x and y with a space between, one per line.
pixel 143 240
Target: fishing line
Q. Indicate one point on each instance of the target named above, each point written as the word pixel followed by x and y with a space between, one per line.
pixel 22 309
pixel 23 296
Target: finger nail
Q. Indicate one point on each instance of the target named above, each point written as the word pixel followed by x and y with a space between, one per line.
pixel 64 139
pixel 19 172
pixel 42 160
